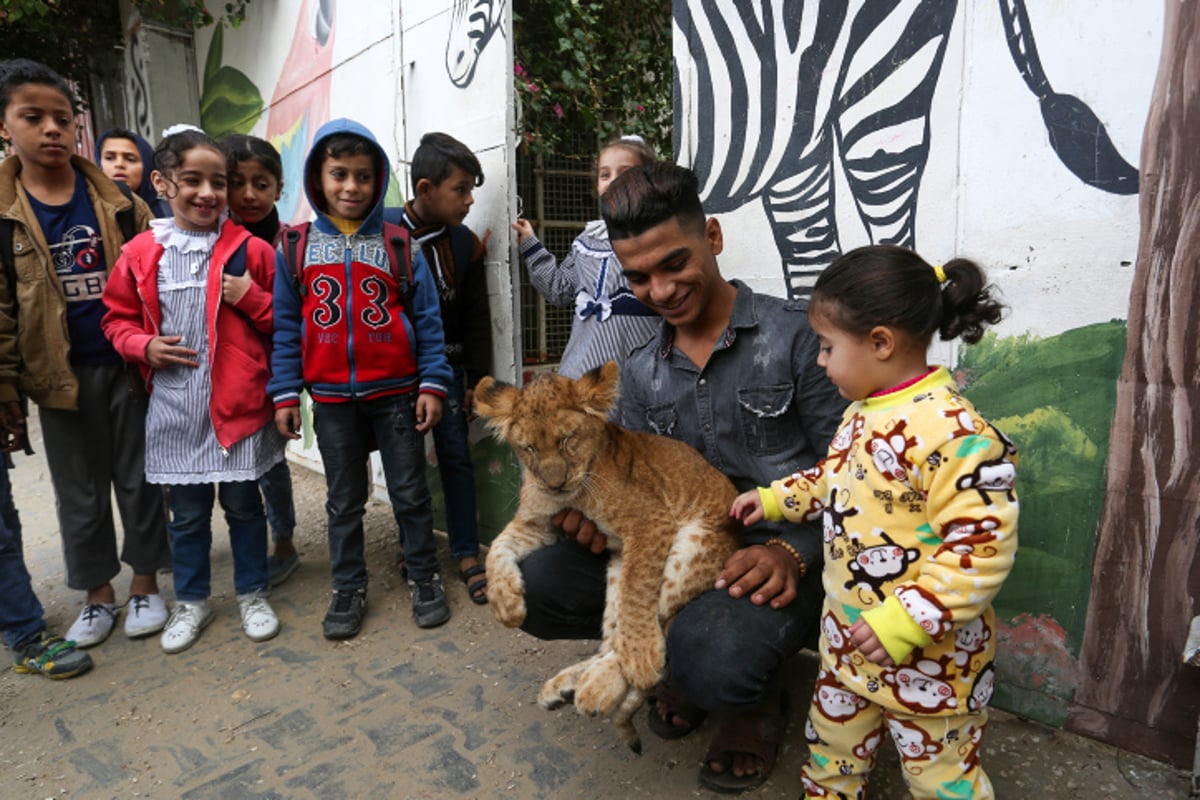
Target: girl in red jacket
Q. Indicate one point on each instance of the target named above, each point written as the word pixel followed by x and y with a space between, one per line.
pixel 189 302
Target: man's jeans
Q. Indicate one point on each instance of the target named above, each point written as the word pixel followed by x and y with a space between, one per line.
pixel 21 615
pixel 343 435
pixel 191 537
pixel 458 473
pixel 723 653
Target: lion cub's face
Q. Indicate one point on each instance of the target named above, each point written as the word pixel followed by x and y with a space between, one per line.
pixel 555 425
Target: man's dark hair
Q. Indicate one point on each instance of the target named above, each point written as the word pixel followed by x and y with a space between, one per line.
pixel 644 197
pixel 15 72
pixel 438 155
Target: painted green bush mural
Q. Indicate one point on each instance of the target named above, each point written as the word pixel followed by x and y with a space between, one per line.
pixel 229 101
pixel 1055 398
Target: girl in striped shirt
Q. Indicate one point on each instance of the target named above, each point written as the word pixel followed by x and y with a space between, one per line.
pixel 189 302
pixel 608 321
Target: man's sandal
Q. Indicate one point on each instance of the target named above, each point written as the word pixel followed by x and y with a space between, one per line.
pixel 679 706
pixel 756 733
pixel 476 590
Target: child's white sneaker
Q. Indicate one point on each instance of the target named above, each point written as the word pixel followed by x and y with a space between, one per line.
pixel 145 614
pixel 258 618
pixel 185 624
pixel 94 624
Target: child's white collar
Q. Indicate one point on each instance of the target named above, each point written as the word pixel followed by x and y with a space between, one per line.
pixel 171 236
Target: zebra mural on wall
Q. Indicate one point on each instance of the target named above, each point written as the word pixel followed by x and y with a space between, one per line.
pixel 787 90
pixel 473 23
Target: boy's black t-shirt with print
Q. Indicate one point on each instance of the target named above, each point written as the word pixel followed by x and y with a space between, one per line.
pixel 73 234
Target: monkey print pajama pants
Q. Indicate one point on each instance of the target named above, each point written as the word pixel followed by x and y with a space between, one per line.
pixel 939 754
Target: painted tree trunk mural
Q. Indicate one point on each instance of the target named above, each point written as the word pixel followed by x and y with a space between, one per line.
pixel 1134 691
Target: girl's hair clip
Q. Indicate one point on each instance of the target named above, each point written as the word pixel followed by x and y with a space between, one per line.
pixel 181 127
pixel 633 137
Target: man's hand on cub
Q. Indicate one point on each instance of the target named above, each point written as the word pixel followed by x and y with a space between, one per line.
pixel 767 574
pixel 574 524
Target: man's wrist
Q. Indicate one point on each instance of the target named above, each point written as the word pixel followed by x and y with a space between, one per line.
pixel 791 551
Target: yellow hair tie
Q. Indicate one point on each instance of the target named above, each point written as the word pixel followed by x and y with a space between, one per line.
pixel 940 273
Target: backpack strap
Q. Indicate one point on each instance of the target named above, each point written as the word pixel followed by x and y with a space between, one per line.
pixel 10 275
pixel 125 219
pixel 399 248
pixel 462 247
pixel 236 265
pixel 6 255
pixel 293 239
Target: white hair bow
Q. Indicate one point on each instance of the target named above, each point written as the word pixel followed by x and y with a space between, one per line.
pixel 180 128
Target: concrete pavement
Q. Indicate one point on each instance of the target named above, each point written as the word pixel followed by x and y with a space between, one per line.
pixel 397 712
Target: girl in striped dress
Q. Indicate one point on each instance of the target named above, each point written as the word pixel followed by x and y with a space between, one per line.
pixel 189 302
pixel 608 321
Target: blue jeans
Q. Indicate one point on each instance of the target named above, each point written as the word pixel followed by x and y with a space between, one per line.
pixel 21 615
pixel 343 437
pixel 458 473
pixel 724 653
pixel 191 537
pixel 276 485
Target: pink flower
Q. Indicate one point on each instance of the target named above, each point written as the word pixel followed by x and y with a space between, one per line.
pixel 531 86
pixel 517 68
pixel 558 112
pixel 641 108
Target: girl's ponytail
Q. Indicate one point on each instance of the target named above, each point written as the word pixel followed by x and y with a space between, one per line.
pixel 967 302
pixel 884 284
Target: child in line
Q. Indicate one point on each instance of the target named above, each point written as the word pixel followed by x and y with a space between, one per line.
pixel 609 321
pixel 65 241
pixel 127 158
pixel 372 357
pixel 255 184
pixel 190 303
pixel 444 171
pixel 920 519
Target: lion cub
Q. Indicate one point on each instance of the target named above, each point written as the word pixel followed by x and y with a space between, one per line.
pixel 664 509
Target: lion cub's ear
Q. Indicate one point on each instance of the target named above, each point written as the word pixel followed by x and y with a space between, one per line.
pixel 496 402
pixel 597 390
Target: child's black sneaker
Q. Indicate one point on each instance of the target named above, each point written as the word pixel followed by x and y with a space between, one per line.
pixel 52 656
pixel 345 615
pixel 429 602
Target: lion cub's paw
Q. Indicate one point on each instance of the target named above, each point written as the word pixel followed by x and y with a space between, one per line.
pixel 601 687
pixel 643 664
pixel 506 597
pixel 560 690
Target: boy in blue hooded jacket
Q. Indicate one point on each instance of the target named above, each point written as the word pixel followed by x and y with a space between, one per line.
pixel 373 367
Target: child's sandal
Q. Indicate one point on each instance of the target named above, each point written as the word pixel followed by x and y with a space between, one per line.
pixel 476 590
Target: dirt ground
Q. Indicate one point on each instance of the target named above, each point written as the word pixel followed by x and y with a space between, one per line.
pixel 397 712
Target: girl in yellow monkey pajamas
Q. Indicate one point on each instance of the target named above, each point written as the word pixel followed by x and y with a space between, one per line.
pixel 920 519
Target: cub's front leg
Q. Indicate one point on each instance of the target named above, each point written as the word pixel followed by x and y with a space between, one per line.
pixel 638 638
pixel 506 588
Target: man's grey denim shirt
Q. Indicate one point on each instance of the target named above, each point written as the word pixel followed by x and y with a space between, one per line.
pixel 759 410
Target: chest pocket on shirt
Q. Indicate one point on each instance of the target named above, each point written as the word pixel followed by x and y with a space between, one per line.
pixel 762 410
pixel 662 419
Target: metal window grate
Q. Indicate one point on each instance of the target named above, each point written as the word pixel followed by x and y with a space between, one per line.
pixel 557 194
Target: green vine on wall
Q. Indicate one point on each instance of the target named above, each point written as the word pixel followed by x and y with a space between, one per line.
pixel 597 67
